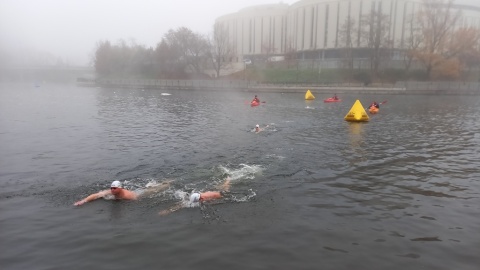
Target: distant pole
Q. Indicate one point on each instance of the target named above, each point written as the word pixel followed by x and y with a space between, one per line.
pixel 244 70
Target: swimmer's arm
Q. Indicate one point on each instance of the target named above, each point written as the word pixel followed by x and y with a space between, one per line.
pixel 157 188
pixel 226 185
pixel 170 210
pixel 92 197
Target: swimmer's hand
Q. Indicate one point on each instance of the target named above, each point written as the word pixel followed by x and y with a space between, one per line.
pixel 80 202
pixel 170 210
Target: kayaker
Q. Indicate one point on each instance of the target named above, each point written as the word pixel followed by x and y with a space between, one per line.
pixel 255 99
pixel 374 104
pixel 335 97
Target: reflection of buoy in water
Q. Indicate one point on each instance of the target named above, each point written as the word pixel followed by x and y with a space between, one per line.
pixel 357 113
pixel 309 95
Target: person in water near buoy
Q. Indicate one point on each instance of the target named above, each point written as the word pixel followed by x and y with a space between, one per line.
pixel 120 193
pixel 197 198
pixel 374 104
pixel 255 99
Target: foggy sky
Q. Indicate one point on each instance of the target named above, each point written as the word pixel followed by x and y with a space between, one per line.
pixel 69 29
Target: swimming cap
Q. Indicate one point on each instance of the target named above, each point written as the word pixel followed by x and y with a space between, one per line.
pixel 195 197
pixel 257 126
pixel 116 184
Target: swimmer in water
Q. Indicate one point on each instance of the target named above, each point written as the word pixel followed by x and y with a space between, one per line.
pixel 120 193
pixel 259 129
pixel 200 197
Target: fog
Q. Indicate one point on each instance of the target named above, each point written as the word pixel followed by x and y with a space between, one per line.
pixel 67 31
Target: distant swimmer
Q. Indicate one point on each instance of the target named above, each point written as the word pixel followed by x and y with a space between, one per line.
pixel 197 198
pixel 259 129
pixel 119 193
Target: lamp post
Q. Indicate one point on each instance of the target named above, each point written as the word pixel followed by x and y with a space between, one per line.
pixel 245 63
pixel 244 70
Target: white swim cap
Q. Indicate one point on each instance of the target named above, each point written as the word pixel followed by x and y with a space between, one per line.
pixel 195 197
pixel 116 184
pixel 257 126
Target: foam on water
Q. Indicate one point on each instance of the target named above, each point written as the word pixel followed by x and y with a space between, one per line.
pixel 244 171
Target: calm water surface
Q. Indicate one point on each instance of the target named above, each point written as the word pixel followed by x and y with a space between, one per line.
pixel 310 192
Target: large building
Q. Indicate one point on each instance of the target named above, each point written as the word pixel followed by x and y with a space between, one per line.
pixel 312 28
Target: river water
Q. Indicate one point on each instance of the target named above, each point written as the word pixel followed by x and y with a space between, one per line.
pixel 311 191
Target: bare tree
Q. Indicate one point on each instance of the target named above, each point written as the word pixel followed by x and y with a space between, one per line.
pixel 464 46
pixel 374 36
pixel 103 58
pixel 345 34
pixel 167 61
pixel 220 48
pixel 412 41
pixel 437 20
pixel 267 50
pixel 290 54
pixel 191 49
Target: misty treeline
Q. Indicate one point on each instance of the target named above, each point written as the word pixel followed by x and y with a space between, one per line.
pixel 435 41
pixel 180 54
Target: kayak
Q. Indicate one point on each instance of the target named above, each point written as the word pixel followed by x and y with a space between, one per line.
pixel 373 110
pixel 331 100
pixel 254 103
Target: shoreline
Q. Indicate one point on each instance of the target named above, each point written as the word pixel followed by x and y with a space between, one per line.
pixel 400 88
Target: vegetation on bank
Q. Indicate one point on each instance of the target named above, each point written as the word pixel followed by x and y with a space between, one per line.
pixel 334 76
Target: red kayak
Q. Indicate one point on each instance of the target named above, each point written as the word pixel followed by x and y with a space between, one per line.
pixel 254 103
pixel 331 100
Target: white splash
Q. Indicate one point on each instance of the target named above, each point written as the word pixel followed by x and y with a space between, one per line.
pixel 244 172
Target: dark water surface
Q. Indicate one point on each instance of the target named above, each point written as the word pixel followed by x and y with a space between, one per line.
pixel 311 191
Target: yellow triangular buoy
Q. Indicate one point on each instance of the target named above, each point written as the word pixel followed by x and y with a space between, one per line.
pixel 357 113
pixel 309 95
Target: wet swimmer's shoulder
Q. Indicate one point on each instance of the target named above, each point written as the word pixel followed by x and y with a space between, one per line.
pixel 116 190
pixel 153 188
pixel 199 197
